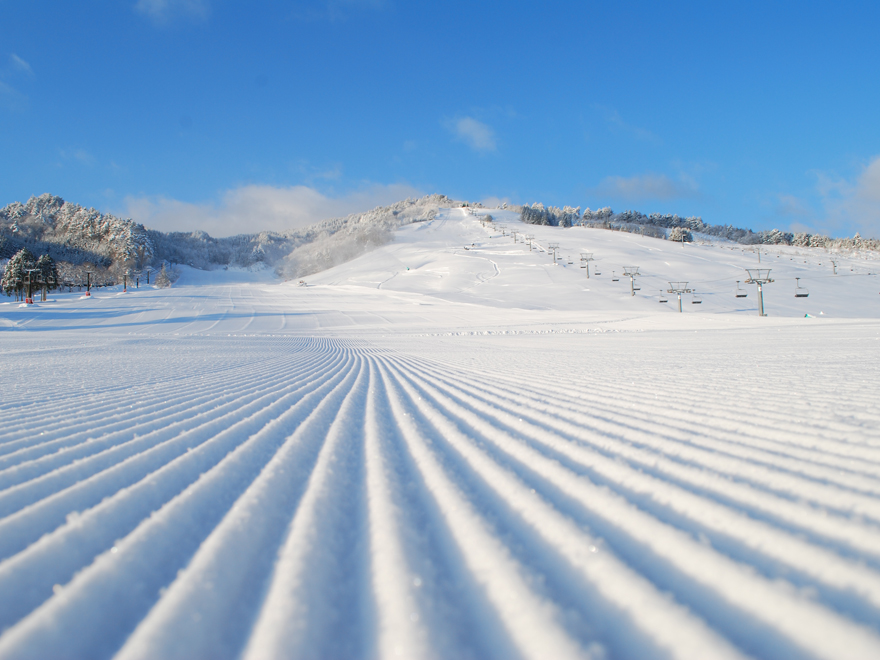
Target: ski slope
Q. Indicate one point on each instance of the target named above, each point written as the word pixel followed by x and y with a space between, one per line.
pixel 440 452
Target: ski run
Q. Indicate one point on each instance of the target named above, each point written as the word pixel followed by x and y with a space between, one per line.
pixel 449 448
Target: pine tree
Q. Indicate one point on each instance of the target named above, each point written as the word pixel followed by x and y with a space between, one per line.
pixel 15 272
pixel 162 279
pixel 48 273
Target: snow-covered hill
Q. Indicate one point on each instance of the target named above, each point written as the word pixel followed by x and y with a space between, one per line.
pixel 83 239
pixel 449 447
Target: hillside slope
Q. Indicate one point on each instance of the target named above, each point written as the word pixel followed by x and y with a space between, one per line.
pixel 84 239
pixel 448 447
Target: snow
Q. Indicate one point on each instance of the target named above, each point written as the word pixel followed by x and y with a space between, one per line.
pixel 433 451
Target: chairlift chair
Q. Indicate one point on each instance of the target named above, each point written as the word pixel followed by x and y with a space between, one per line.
pixel 740 293
pixel 614 278
pixel 663 298
pixel 800 291
pixel 696 300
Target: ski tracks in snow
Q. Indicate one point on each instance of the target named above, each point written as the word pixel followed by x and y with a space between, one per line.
pixel 331 498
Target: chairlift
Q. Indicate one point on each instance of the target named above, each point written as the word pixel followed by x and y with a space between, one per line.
pixel 740 293
pixel 663 298
pixel 614 278
pixel 800 291
pixel 696 300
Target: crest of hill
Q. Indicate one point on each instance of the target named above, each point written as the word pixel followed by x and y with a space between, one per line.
pixel 673 227
pixel 79 237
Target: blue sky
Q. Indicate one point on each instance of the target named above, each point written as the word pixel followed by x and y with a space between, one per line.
pixel 234 116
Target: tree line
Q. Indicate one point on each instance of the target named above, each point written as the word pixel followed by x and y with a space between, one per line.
pixel 24 273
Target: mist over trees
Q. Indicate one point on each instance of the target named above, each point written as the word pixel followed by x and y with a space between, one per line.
pixel 80 239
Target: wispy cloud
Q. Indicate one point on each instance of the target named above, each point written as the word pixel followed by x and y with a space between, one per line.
pixel 20 65
pixel 162 12
pixel 80 156
pixel 254 208
pixel 647 187
pixel 477 135
pixel 311 173
pixel 853 203
pixel 11 98
pixel 613 118
pixel 790 206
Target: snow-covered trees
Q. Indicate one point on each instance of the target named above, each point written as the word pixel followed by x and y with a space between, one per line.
pixel 681 234
pixel 163 280
pixel 23 268
pixel 72 233
pixel 15 273
pixel 47 274
pixel 554 216
pixel 166 276
pixel 48 271
pixel 79 239
pixel 599 215
pixel 664 225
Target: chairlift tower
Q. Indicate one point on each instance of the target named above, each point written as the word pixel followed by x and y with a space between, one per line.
pixel 759 276
pixel 89 274
pixel 679 288
pixel 29 296
pixel 530 239
pixel 631 272
pixel 553 247
pixel 834 263
pixel 586 258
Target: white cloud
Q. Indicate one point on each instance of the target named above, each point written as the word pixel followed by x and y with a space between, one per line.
pixel 163 11
pixel 20 65
pixel 477 135
pixel 854 203
pixel 255 208
pixel 647 187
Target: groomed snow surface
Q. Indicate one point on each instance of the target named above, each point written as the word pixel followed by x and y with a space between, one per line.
pixel 434 451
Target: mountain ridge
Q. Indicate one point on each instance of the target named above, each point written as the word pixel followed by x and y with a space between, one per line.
pixel 80 238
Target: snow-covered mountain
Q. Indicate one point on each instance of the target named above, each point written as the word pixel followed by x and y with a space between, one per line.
pixel 77 236
pixel 456 445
